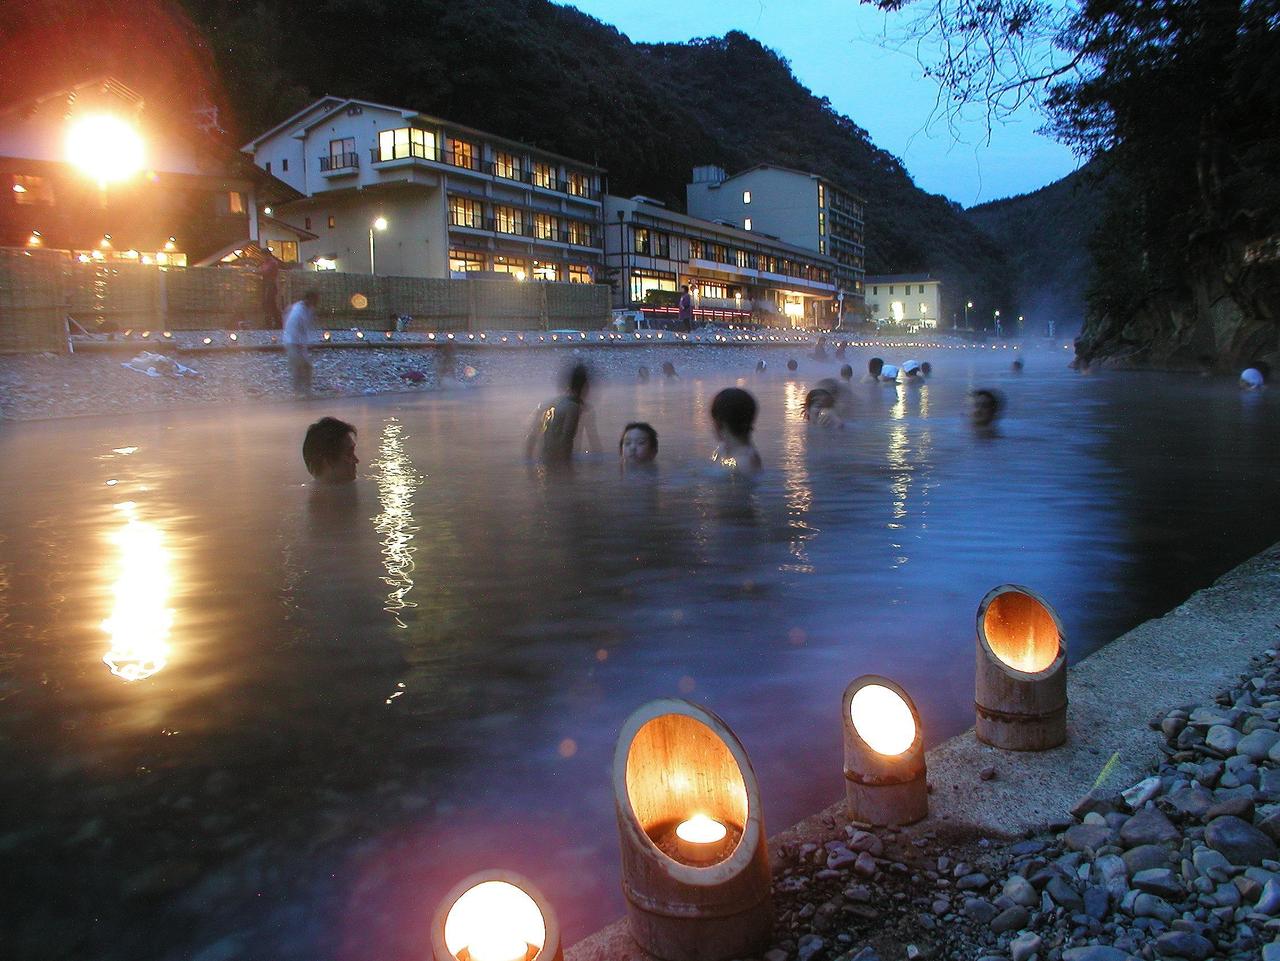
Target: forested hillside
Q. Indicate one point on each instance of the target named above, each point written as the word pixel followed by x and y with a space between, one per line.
pixel 531 70
pixel 1047 235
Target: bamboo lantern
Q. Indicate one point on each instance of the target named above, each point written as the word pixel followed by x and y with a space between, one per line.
pixel 495 916
pixel 884 766
pixel 695 864
pixel 1020 691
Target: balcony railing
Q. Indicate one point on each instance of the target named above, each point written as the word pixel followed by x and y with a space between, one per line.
pixel 339 161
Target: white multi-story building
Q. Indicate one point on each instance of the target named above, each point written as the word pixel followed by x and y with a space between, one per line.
pixel 914 300
pixel 734 275
pixel 796 207
pixel 392 191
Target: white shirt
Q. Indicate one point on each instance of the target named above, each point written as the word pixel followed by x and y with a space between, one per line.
pixel 299 324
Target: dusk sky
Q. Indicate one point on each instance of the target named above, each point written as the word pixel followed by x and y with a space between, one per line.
pixel 838 49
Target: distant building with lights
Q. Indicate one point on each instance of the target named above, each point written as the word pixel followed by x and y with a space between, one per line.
pixel 796 207
pixel 734 275
pixel 93 170
pixel 455 200
pixel 913 300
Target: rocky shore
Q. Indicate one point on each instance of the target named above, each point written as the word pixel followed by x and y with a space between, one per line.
pixel 1183 864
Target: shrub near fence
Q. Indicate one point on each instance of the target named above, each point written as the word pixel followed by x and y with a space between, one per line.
pixel 39 289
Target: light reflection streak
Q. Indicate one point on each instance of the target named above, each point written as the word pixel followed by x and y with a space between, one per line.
pixel 140 620
pixel 796 481
pixel 398 481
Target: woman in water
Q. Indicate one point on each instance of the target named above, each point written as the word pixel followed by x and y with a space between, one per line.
pixel 638 446
pixel 733 412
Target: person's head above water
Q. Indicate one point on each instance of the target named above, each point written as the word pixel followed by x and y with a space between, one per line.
pixel 761 365
pixel 986 407
pixel 329 451
pixel 817 400
pixel 668 369
pixel 733 411
pixel 577 381
pixel 791 364
pixel 874 366
pixel 1017 367
pixel 638 443
pixel 643 375
pixel 846 372
pixel 926 368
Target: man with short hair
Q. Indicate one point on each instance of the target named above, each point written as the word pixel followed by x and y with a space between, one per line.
pixel 329 451
pixel 299 329
pixel 686 308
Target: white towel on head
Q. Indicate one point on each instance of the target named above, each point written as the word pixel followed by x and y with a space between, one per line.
pixel 888 372
pixel 1251 378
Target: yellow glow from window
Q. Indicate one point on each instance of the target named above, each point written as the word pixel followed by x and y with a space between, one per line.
pixel 494 921
pixel 882 719
pixel 140 621
pixel 105 147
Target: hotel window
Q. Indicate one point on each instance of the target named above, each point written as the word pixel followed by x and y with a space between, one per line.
pixel 30 191
pixel 643 240
pixel 746 196
pixel 465 212
pixel 762 262
pixel 342 153
pixel 822 246
pixel 332 222
pixel 267 166
pixel 506 165
pixel 286 250
pixel 544 176
pixel 464 261
pixel 508 220
pixel 720 254
pixel 922 288
pixel 579 274
pixel 544 227
pixel 579 233
pixel 822 225
pixel 545 271
pixel 503 264
pixel 306 223
pixel 746 224
pixel 713 290
pixel 284 163
pixel 875 290
pixel 235 202
pixel 891 291
pixel 406 142
pixel 643 281
pixel 822 196
pixel 696 251
pixel 577 184
pixel 462 154
pixel 744 258
pixel 661 245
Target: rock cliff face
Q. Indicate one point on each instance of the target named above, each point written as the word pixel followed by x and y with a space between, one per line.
pixel 1228 316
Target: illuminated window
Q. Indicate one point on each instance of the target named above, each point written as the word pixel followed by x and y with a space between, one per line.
pixel 661 245
pixel 822 246
pixel 579 234
pixel 508 220
pixel 746 196
pixel 235 202
pixel 577 184
pixel 286 250
pixel 713 290
pixel 465 212
pixel 462 154
pixel 822 225
pixel 510 265
pixel 643 240
pixel 332 223
pixel 645 281
pixel 29 191
pixel 506 165
pixel 746 224
pixel 696 251
pixel 822 196
pixel 545 227
pixel 465 260
pixel 579 274
pixel 406 142
pixel 544 176
pixel 744 258
pixel 721 254
pixel 545 271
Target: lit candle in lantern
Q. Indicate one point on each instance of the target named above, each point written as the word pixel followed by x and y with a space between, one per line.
pixel 699 839
pixel 496 920
pixel 498 946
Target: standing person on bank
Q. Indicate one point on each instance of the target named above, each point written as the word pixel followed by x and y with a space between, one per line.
pixel 299 330
pixel 686 309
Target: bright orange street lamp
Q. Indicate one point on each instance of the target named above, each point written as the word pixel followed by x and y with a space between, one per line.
pixel 107 148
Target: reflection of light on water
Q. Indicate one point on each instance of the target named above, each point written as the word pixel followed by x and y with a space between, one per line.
pixel 796 481
pixel 140 621
pixel 899 463
pixel 397 483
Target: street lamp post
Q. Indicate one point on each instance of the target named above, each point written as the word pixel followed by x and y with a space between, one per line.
pixel 967 307
pixel 997 323
pixel 379 224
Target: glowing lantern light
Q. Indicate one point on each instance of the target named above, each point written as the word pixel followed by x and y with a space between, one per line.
pixel 695 865
pixel 884 764
pixel 328 335
pixel 359 335
pixel 495 916
pixel 234 336
pixel 208 341
pixel 105 147
pixel 1020 689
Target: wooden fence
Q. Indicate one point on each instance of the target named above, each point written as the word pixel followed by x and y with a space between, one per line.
pixel 40 289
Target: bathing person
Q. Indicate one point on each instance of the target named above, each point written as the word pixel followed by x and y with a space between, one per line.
pixel 985 408
pixel 638 445
pixel 329 451
pixel 555 423
pixel 669 369
pixel 761 366
pixel 733 412
pixel 840 348
pixel 926 369
pixel 820 349
pixel 888 374
pixel 1017 367
pixel 846 373
pixel 299 330
pixel 874 366
pixel 911 368
pixel 446 362
pixel 792 365
pixel 1251 379
pixel 820 409
pixel 642 375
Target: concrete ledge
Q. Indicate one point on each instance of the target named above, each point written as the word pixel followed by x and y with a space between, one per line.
pixel 1184 657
